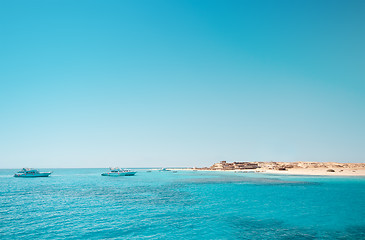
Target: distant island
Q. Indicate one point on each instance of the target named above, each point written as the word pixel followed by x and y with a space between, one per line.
pixel 300 168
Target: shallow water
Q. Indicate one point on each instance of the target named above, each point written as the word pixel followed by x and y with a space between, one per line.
pixel 79 203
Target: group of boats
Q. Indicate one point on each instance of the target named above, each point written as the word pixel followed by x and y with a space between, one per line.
pixel 114 172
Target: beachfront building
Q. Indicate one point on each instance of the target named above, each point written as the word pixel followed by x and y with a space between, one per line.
pixel 223 165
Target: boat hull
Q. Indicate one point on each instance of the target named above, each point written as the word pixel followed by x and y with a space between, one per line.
pixel 119 174
pixel 30 175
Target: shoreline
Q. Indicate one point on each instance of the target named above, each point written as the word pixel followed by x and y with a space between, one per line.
pixel 293 171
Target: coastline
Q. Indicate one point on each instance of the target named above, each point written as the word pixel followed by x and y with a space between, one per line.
pixel 356 172
pixel 320 172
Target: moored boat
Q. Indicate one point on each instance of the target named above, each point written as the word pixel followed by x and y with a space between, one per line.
pixel 29 172
pixel 116 172
pixel 164 170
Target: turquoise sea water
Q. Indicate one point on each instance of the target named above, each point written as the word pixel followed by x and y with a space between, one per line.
pixel 81 204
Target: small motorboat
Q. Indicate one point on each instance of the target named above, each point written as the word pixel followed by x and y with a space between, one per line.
pixel 164 170
pixel 29 172
pixel 117 172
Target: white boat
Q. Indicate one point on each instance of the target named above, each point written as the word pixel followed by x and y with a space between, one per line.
pixel 117 172
pixel 29 172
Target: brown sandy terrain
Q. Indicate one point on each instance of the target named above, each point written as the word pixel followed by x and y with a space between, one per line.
pixel 295 168
pixel 321 171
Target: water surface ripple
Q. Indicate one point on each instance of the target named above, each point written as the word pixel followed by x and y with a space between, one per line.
pixel 81 204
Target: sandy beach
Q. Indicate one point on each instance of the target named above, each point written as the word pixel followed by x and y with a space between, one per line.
pixel 293 171
pixel 290 168
pixel 319 171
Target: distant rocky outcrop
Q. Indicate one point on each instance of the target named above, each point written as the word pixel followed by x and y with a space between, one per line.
pixel 223 165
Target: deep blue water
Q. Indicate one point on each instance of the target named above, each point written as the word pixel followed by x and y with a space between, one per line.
pixel 81 204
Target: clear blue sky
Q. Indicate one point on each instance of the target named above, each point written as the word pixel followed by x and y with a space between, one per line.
pixel 180 83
